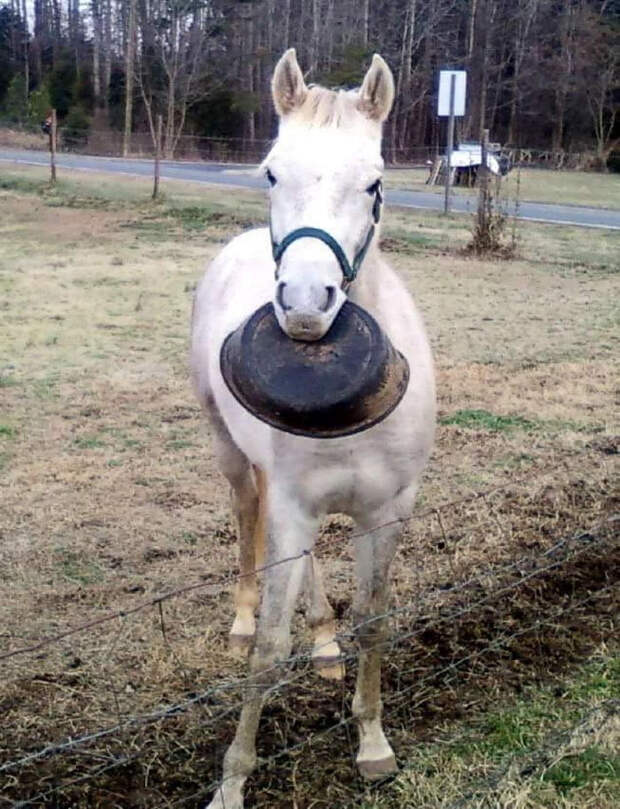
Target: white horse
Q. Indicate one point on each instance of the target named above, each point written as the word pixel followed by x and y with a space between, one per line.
pixel 325 172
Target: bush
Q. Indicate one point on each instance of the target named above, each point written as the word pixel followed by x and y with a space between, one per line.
pixel 75 128
pixel 39 105
pixel 61 83
pixel 613 162
pixel 15 102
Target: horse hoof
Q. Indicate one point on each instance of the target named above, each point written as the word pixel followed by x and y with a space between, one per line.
pixel 240 646
pixel 374 770
pixel 329 668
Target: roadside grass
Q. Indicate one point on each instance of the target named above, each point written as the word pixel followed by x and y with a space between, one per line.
pixel 556 746
pixel 110 495
pixel 18 139
pixel 592 189
pixel 193 210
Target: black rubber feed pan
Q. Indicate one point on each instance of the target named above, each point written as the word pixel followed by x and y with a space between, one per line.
pixel 339 385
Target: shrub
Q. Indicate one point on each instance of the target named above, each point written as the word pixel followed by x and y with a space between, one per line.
pixel 75 128
pixel 15 103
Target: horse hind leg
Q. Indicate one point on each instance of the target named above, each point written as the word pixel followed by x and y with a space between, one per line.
pixel 326 654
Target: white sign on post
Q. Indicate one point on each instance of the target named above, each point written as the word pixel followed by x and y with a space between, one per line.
pixel 443 103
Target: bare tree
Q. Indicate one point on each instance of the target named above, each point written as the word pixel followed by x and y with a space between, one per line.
pixel 171 60
pixel 524 18
pixel 598 74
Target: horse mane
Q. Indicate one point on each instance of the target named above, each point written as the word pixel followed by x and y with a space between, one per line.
pixel 322 107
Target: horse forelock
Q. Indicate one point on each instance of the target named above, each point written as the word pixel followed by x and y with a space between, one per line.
pixel 329 108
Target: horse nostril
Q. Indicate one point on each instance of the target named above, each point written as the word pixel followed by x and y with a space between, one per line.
pixel 280 297
pixel 331 297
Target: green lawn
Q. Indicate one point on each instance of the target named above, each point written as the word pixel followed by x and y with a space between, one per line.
pixel 556 747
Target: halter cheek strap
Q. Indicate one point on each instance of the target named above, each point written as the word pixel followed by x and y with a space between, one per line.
pixel 349 270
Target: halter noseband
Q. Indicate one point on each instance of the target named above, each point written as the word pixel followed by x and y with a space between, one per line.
pixel 349 270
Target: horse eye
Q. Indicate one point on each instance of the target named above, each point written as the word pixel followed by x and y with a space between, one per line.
pixel 374 188
pixel 270 178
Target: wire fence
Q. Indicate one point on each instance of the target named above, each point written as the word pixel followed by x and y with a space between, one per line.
pixel 243 150
pixel 92 756
pixel 549 752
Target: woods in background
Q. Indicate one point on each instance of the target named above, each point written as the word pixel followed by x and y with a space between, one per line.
pixel 541 73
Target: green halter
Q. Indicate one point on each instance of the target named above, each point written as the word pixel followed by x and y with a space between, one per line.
pixel 349 270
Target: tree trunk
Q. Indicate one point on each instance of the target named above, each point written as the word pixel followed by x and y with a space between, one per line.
pixel 563 77
pixel 512 122
pixel 287 24
pixel 314 42
pixel 107 51
pixel 365 22
pixel 129 75
pixel 56 36
pixel 250 79
pixel 329 31
pixel 24 17
pixel 96 12
pixel 471 28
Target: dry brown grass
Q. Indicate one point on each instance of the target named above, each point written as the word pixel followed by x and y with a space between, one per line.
pixel 110 494
pixel 17 139
pixel 535 185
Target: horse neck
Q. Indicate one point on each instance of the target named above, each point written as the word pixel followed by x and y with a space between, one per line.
pixel 365 289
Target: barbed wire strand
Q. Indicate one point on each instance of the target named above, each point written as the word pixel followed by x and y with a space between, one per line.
pixel 267 763
pixel 305 658
pixel 244 683
pixel 229 579
pixel 342 722
pixel 610 707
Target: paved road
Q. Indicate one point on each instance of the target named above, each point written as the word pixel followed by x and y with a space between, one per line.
pixel 236 175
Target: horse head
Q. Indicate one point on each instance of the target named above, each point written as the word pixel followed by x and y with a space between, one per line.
pixel 325 173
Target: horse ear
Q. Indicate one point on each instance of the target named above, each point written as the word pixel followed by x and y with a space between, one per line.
pixel 376 94
pixel 287 85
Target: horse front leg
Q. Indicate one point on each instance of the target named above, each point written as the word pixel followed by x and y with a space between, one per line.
pixel 249 507
pixel 291 533
pixel 373 555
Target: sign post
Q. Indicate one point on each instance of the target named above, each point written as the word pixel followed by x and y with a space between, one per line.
pixel 446 198
pixel 451 104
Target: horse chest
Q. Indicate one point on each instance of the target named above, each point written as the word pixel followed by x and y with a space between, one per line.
pixel 335 478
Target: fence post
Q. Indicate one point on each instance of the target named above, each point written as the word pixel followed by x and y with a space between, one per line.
pixel 483 197
pixel 157 156
pixel 52 136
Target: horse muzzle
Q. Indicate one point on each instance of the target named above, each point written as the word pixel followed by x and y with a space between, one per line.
pixel 307 311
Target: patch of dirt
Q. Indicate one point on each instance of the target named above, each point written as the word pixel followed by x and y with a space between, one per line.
pixel 62 223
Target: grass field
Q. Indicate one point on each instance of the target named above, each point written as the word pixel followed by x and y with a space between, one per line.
pixel 110 496
pixel 530 185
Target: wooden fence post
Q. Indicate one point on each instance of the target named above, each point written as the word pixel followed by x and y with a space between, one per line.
pixel 52 136
pixel 157 157
pixel 483 198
